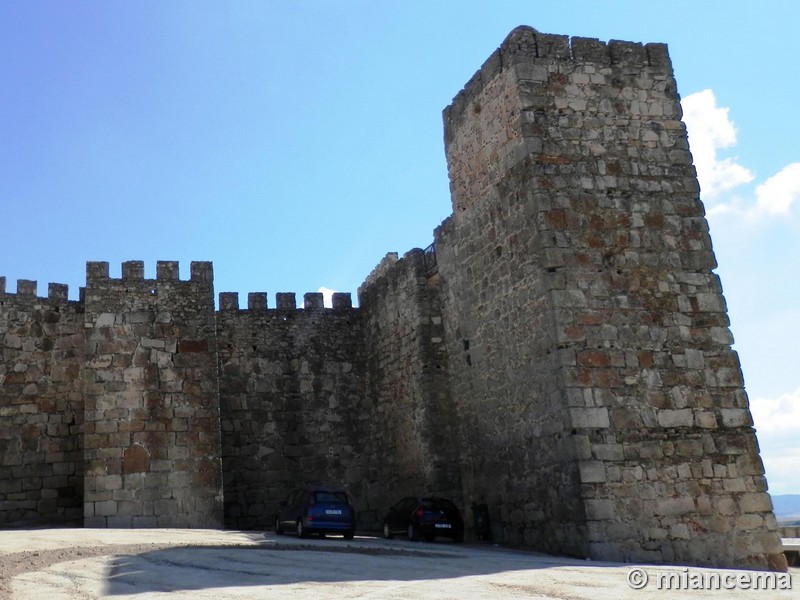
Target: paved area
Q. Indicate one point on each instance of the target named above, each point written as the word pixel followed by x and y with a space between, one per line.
pixel 161 563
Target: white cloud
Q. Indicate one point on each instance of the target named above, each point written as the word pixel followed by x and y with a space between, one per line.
pixel 777 414
pixel 327 296
pixel 781 471
pixel 777 194
pixel 777 422
pixel 710 129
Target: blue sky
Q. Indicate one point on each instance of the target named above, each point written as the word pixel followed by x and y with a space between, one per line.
pixel 295 143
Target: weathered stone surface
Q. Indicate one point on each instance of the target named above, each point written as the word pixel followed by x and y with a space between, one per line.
pixel 292 399
pixel 153 369
pixel 41 407
pixel 561 353
pixel 591 240
pixel 136 460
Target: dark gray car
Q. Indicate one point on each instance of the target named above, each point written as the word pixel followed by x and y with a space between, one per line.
pixel 425 517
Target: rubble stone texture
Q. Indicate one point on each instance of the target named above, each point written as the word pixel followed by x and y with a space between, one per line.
pixel 151 438
pixel 603 407
pixel 561 353
pixel 41 405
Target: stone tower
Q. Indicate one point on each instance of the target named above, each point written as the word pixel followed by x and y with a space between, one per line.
pixel 152 449
pixel 603 412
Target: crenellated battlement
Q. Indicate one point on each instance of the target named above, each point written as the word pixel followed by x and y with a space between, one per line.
pixel 98 273
pixel 526 46
pixel 133 291
pixel 166 270
pixel 284 301
pixel 27 290
pixel 385 264
pixel 132 271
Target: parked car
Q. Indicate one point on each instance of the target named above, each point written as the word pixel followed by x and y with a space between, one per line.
pixel 424 517
pixel 316 510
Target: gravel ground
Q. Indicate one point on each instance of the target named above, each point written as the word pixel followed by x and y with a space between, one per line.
pixel 160 563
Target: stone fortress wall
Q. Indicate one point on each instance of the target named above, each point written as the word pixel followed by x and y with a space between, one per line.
pixel 41 405
pixel 565 359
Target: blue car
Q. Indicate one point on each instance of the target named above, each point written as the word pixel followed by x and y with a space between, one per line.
pixel 316 510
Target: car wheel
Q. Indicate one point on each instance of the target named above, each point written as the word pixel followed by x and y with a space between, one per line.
pixel 458 538
pixel 301 530
pixel 278 528
pixel 413 534
pixel 349 535
pixel 387 533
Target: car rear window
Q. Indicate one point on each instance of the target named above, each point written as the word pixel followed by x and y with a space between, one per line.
pixel 438 504
pixel 330 498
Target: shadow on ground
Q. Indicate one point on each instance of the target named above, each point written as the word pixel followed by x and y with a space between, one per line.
pixel 275 563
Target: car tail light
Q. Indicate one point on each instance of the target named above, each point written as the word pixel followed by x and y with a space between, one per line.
pixel 420 511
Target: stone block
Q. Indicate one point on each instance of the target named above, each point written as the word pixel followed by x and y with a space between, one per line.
pixel 610 452
pixel 749 521
pixel 675 506
pixel 650 450
pixel 657 534
pixel 675 418
pixel 105 508
pixel 734 485
pixel 47 506
pixel 689 448
pixel 583 449
pixel 108 482
pixel 105 320
pixel 705 419
pixel 165 506
pixel 710 302
pixel 313 300
pixel 568 298
pixel 592 471
pixel 119 522
pixel 129 508
pixel 589 417
pixel 607 551
pixel 599 510
pixel 735 417
pixel 625 418
pixel 755 502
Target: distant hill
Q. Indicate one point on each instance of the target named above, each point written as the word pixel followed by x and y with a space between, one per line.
pixel 786 507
